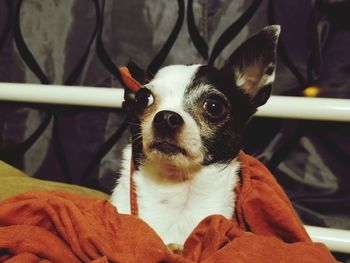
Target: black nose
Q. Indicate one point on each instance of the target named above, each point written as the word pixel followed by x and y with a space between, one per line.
pixel 167 121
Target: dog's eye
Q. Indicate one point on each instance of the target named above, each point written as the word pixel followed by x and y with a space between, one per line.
pixel 144 98
pixel 215 107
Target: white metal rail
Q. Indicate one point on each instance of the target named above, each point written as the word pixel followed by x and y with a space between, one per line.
pixel 336 240
pixel 278 107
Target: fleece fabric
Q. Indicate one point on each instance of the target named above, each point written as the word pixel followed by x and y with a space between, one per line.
pixel 63 227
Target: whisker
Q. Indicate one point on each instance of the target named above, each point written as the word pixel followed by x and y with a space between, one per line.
pixel 137 137
pixel 134 123
pixel 209 147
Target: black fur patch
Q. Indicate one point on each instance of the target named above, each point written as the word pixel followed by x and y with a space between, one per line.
pixel 225 139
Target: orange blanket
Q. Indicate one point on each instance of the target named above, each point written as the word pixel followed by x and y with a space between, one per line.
pixel 61 227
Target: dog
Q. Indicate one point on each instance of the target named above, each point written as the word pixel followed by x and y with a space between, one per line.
pixel 187 124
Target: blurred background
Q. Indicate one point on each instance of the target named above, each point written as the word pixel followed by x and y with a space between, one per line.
pixel 82 43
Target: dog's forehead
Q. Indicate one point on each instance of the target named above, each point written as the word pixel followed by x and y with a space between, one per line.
pixel 177 83
pixel 172 81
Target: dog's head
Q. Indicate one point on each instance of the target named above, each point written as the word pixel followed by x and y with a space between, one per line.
pixel 189 116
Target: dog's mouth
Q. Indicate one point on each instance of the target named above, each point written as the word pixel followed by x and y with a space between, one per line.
pixel 167 148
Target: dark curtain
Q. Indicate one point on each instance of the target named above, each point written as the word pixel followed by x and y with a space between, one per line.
pixel 81 42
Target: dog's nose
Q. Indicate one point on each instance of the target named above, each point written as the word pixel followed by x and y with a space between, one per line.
pixel 167 120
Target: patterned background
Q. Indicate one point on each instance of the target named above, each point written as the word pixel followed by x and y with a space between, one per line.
pixel 82 42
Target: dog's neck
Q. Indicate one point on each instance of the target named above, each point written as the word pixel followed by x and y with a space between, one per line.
pixel 173 207
pixel 164 172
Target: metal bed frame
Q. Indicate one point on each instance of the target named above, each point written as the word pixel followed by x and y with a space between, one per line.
pixel 326 109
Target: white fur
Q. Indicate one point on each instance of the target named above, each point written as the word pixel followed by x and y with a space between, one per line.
pixel 175 193
pixel 173 210
pixel 168 88
pixel 170 83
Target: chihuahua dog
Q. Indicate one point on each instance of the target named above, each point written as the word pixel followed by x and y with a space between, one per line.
pixel 187 124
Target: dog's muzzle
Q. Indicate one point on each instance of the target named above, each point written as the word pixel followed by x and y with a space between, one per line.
pixel 166 126
pixel 167 123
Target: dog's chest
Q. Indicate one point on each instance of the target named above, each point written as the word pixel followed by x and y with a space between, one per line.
pixel 174 210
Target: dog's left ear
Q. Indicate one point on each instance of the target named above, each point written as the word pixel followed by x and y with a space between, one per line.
pixel 138 73
pixel 133 77
pixel 253 64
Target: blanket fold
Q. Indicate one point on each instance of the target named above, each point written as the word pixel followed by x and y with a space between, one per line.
pixel 62 227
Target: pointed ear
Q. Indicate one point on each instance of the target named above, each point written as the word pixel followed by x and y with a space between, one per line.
pixel 133 77
pixel 138 73
pixel 253 64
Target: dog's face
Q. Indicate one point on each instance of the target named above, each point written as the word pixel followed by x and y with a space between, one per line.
pixel 189 116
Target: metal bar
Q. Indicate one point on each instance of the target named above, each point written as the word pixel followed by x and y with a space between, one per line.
pixel 277 106
pixel 306 108
pixel 337 240
pixel 58 94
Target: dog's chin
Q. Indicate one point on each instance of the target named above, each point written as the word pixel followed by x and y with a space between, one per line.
pixel 170 161
pixel 170 153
